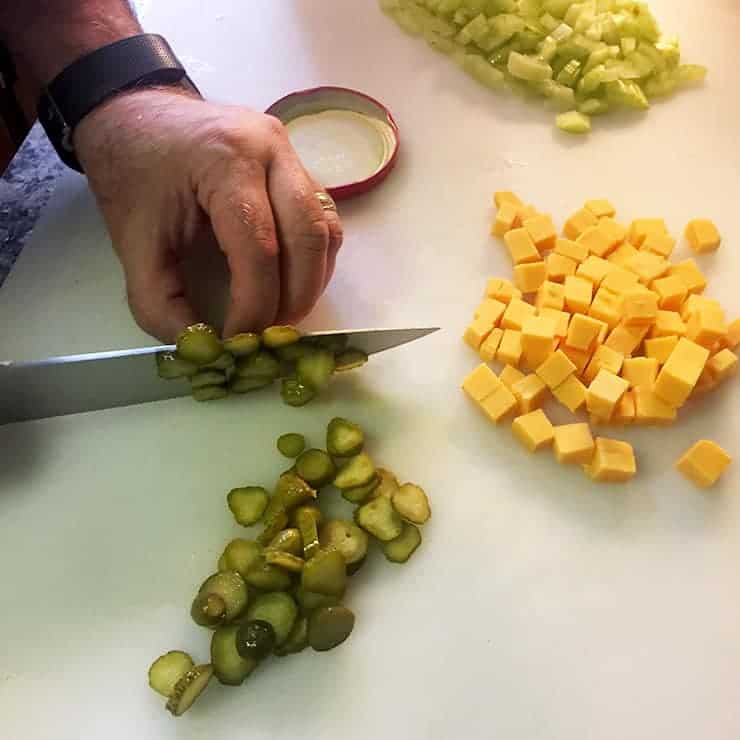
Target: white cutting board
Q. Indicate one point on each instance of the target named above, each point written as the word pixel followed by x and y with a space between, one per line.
pixel 540 606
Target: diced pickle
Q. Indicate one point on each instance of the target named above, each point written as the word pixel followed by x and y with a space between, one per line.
pixel 347 537
pixel 325 573
pixel 295 393
pixel 171 366
pixel 357 472
pixel 240 555
pixel 360 494
pixel 255 639
pixel 229 667
pixel 288 540
pixel 204 378
pixel 329 626
pixel 261 364
pixel 297 640
pixel 292 352
pixel 241 345
pixel 291 444
pixel 284 560
pixel 298 512
pixel 199 344
pixel 167 670
pixel 189 688
pixel 309 600
pixel 224 362
pixel 238 384
pixel 267 577
pixel 315 467
pixel 280 336
pixel 208 610
pixel 308 525
pixel 350 359
pixel 230 588
pixel 210 393
pixel 412 503
pixel 344 438
pixel 315 369
pixel 402 548
pixel 279 610
pixel 247 504
pixel 380 519
pixel 387 486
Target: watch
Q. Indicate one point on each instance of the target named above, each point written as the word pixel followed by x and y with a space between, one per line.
pixel 145 60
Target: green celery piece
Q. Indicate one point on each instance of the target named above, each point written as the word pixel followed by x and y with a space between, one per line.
pixel 476 29
pixel 527 41
pixel 670 51
pixel 691 73
pixel 596 58
pixel 478 68
pixel 628 45
pixel 661 85
pixel 570 73
pixel 591 81
pixel 495 7
pixel 548 48
pixel 448 7
pixel 440 43
pixel 641 63
pixel 593 107
pixel 462 16
pixel 558 8
pixel 648 50
pixel 500 58
pixel 573 122
pixel 408 22
pixel 549 22
pixel 628 94
pixel 530 8
pixel 563 97
pixel 523 67
pixel 647 25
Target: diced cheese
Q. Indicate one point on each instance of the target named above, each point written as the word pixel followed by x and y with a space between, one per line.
pixel 660 348
pixel 640 371
pixel 516 313
pixel 521 247
pixel 554 371
pixel 580 358
pixel 704 463
pixel 604 393
pixel 702 235
pixel 573 443
pixel 579 222
pixel 571 393
pixel 626 339
pixel 499 404
pixel 691 275
pixel 682 369
pixel 538 333
pixel 594 269
pixel 490 346
pixel 642 227
pixel 529 392
pixel 624 411
pixel 732 340
pixel 614 232
pixel 660 244
pixel 510 349
pixel 599 243
pixel 668 323
pixel 583 331
pixel 707 326
pixel 481 383
pixel 622 253
pixel 722 365
pixel 650 409
pixel 506 196
pixel 477 333
pixel 533 430
pixel 507 218
pixel 561 318
pixel 639 308
pixel 600 208
pixel 619 280
pixel 490 309
pixel 578 293
pixel 550 295
pixel 502 290
pixel 527 211
pixel 672 292
pixel 695 302
pixel 510 375
pixel 647 266
pixel 559 267
pixel 571 249
pixel 613 461
pixel 603 358
pixel 529 277
pixel 607 307
pixel 542 230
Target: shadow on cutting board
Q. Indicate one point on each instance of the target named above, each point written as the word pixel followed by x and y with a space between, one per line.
pixel 20 451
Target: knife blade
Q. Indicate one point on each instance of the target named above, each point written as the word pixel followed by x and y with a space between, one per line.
pixel 57 386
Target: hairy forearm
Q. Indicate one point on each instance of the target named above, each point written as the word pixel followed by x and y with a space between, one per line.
pixel 45 36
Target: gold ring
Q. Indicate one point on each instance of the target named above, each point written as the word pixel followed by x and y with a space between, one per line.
pixel 327 202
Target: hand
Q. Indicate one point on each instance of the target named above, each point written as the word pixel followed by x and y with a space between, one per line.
pixel 167 167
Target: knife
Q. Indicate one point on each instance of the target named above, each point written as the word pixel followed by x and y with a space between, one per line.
pixel 58 386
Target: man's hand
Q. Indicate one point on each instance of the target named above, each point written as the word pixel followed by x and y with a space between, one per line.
pixel 166 167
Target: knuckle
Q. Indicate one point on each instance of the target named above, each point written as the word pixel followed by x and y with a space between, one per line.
pixel 275 126
pixel 315 236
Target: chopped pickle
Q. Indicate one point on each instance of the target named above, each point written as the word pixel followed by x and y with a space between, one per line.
pixel 277 609
pixel 199 344
pixel 247 504
pixel 238 384
pixel 387 486
pixel 299 512
pixel 315 369
pixel 315 467
pixel 221 599
pixel 295 393
pixel 260 364
pixel 208 610
pixel 291 444
pixel 309 600
pixel 297 640
pixel 329 626
pixel 350 359
pixel 241 345
pixel 402 548
pixel 167 670
pixel 357 472
pixel 267 577
pixel 229 667
pixel 380 519
pixel 280 336
pixel 204 378
pixel 343 438
pixel 293 490
pixel 308 525
pixel 284 560
pixel 170 366
pixel 255 639
pixel 189 688
pixel 360 494
pixel 224 362
pixel 210 393
pixel 325 573
pixel 240 555
pixel 346 537
pixel 288 540
pixel 292 352
pixel 412 504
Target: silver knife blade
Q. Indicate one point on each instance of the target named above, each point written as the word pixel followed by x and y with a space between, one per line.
pixel 58 386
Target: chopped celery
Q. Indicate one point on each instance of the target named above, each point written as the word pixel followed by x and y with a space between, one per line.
pixel 562 32
pixel 628 44
pixel 628 94
pixel 548 22
pixel 528 68
pixel 570 73
pixel 573 122
pixel 593 106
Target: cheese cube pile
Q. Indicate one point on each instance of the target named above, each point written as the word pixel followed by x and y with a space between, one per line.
pixel 601 320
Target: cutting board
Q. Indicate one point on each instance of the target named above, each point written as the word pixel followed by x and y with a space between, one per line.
pixel 540 606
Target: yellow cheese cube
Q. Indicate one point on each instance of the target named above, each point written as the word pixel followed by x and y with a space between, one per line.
pixel 580 358
pixel 516 312
pixel 642 227
pixel 507 218
pixel 706 326
pixel 672 292
pixel 550 295
pixel 705 384
pixel 538 333
pixel 613 461
pixel 695 302
pixel 578 293
pixel 573 250
pixel 732 339
pixel 660 244
pixel 510 349
pixel 722 365
pixel 502 290
pixel 477 333
pixel 624 411
pixel 640 371
pixel 529 392
pixel 667 324
pixel 530 276
pixel 704 463
pixel 626 339
pixel 573 443
pixel 559 267
pixel 554 371
pixel 604 393
pixel 490 346
pixel 639 308
pixel 660 348
pixel 622 253
pixel 561 318
pixel 571 393
pixel 510 375
pixel 533 430
pixel 702 235
pixel 604 358
pixel 647 266
pixel 650 410
pixel 499 404
pixel 506 196
pixel 490 309
pixel 583 331
pixel 542 230
pixel 527 211
pixel 597 241
pixel 594 269
pixel 619 280
pixel 578 223
pixel 607 307
pixel 481 383
pixel 690 274
pixel 600 208
pixel 521 247
pixel 682 369
pixel 614 232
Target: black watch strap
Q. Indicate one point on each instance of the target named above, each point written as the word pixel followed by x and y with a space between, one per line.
pixel 144 60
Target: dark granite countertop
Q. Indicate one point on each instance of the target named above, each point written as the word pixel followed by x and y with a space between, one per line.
pixel 25 189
